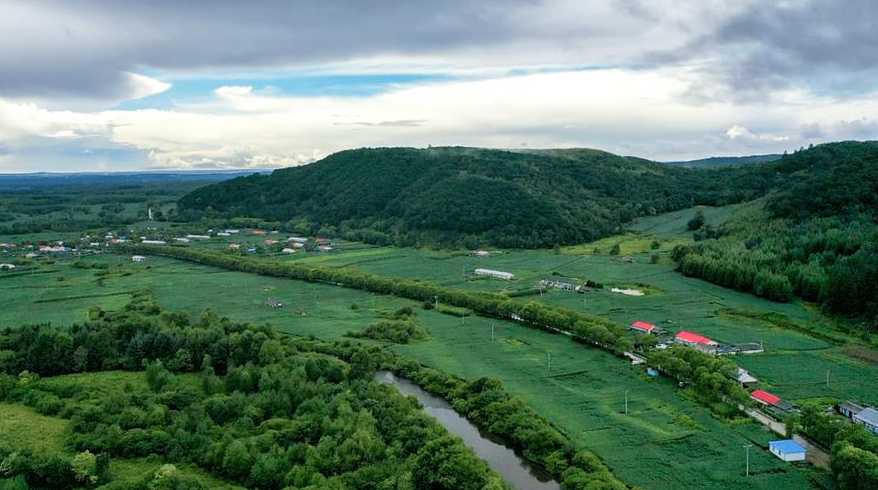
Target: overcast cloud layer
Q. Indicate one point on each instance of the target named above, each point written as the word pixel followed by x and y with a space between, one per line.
pixel 112 85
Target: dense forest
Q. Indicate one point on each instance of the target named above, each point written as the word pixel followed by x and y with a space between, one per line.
pixel 467 196
pixel 816 237
pixel 254 407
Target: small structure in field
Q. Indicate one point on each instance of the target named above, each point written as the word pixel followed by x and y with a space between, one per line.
pixel 868 417
pixel 643 327
pixel 297 239
pixel 480 253
pixel 558 282
pixel 224 234
pixel 274 303
pixel 745 379
pixel 288 251
pixel 7 267
pixel 182 240
pixel 325 248
pixel 765 398
pixel 270 242
pixel 154 242
pixel 787 450
pixel 234 246
pixel 138 258
pixel 198 237
pixel 507 276
pixel 696 341
pixel 635 358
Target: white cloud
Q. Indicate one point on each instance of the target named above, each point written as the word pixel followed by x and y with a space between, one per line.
pixel 140 86
pixel 645 113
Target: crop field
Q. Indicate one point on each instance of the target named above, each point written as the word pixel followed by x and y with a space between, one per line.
pixel 583 393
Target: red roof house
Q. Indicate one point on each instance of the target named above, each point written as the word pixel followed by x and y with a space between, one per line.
pixel 693 338
pixel 642 326
pixel 765 397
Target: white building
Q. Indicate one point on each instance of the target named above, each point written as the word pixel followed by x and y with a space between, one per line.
pixel 154 242
pixel 182 240
pixel 223 233
pixel 233 231
pixel 297 239
pixel 289 250
pixel 137 258
pixel 480 253
pixel 869 418
pixel 7 267
pixel 787 450
pixel 198 237
pixel 495 274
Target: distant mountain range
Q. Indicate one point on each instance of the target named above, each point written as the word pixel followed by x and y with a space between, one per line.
pixel 50 179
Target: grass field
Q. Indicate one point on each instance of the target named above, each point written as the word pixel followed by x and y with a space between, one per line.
pixel 678 443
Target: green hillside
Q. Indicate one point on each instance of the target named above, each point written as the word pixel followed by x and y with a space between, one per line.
pixel 467 196
pixel 726 161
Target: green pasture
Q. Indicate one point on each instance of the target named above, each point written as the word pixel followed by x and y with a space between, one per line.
pixel 666 441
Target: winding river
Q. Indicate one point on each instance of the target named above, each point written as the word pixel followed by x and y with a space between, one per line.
pixel 515 470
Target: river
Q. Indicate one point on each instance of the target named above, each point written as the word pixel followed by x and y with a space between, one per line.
pixel 515 470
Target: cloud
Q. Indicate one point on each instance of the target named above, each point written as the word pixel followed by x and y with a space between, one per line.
pixel 738 132
pixel 825 46
pixel 89 48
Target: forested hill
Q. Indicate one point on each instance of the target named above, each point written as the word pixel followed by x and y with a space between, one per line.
pixel 467 196
pixel 726 161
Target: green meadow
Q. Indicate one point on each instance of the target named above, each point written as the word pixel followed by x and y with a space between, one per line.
pixel 665 441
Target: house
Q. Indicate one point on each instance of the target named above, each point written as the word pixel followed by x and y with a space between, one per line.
pixel 324 248
pixel 696 341
pixel 234 246
pixel 297 245
pixel 787 450
pixel 182 240
pixel 745 378
pixel 31 255
pixel 270 242
pixel 297 239
pixel 480 253
pixel 765 398
pixel 137 258
pixel 53 248
pixel 849 409
pixel 257 232
pixel 7 267
pixel 198 237
pixel 642 327
pixel 869 418
pixel 154 242
pixel 288 251
pixel 232 231
pixel 495 274
pixel 223 233
pixel 563 283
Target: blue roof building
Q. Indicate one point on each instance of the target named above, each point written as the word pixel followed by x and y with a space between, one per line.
pixel 787 450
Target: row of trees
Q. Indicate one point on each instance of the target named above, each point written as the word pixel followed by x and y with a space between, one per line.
pixel 257 408
pixel 584 328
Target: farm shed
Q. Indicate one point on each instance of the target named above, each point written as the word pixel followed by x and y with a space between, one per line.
pixel 696 341
pixel 495 274
pixel 154 242
pixel 643 327
pixel 137 258
pixel 745 378
pixel 787 450
pixel 849 408
pixel 765 398
pixel 563 283
pixel 288 251
pixel 869 418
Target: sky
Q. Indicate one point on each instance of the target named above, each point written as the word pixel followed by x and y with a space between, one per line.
pixel 107 85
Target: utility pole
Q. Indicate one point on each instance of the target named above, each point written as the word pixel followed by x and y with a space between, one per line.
pixel 548 362
pixel 747 448
pixel 827 378
pixel 626 402
pixel 492 331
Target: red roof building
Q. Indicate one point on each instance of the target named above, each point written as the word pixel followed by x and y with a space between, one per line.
pixel 765 397
pixel 641 326
pixel 693 338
